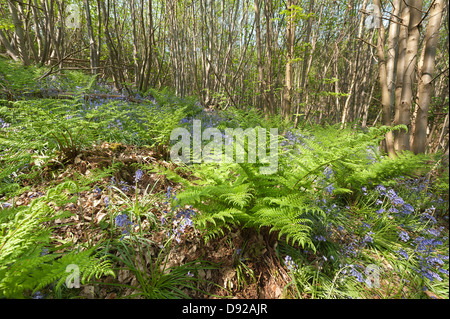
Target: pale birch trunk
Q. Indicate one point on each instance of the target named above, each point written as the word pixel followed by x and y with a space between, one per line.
pixel 425 81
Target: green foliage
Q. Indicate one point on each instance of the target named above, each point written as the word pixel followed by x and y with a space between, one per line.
pixel 325 160
pixel 156 279
pixel 24 236
pixel 16 78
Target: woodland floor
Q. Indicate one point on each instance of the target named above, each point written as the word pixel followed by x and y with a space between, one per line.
pixel 85 226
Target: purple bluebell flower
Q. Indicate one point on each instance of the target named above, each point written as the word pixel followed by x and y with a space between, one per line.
pixel 404 236
pixel 402 253
pixel 138 175
pixel 289 262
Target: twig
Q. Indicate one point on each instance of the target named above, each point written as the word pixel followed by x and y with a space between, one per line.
pixel 372 45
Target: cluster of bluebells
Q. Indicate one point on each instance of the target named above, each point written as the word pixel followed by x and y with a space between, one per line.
pixel 294 138
pixel 178 228
pixel 430 262
pixel 328 173
pixel 180 218
pixel 351 270
pixel 289 262
pixel 122 221
pixel 120 184
pixel 117 124
pixel 3 124
pixel 239 254
pixel 319 238
pixel 398 205
pixel 426 247
pixel 38 295
pixel 372 154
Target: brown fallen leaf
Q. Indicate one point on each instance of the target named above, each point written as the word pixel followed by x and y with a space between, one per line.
pixel 99 217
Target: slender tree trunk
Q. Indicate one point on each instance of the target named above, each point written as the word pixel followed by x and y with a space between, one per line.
pixel 268 11
pixel 21 47
pixel 425 81
pixel 392 50
pixel 9 49
pixel 92 44
pixel 290 36
pixel 260 100
pixel 412 45
pixel 305 68
pixel 385 97
pixel 401 116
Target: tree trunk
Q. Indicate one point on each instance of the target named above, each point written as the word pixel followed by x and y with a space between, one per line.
pixel 412 45
pixel 22 49
pixel 290 36
pixel 425 81
pixel 385 96
pixel 92 44
pixel 260 100
pixel 400 115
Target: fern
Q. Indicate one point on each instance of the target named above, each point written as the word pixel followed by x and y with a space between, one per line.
pixel 23 236
pixel 237 194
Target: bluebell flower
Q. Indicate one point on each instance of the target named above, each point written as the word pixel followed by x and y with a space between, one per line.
pixel 434 260
pixel 122 220
pixel 44 252
pixel 427 216
pixel 289 262
pixel 381 189
pixel 38 295
pixel 393 210
pixel 434 232
pixel 364 190
pixel 444 271
pixel 330 188
pixel 6 205
pixel 98 190
pixel 404 236
pixel 320 238
pixel 368 238
pixel 328 172
pixel 402 253
pixel 3 124
pixel 408 208
pixel 398 201
pixel 168 192
pixel 138 175
pixel 123 186
pixel 365 225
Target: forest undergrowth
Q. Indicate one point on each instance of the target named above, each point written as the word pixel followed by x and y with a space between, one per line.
pixel 86 183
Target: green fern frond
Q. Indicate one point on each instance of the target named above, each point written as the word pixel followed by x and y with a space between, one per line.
pixel 22 239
